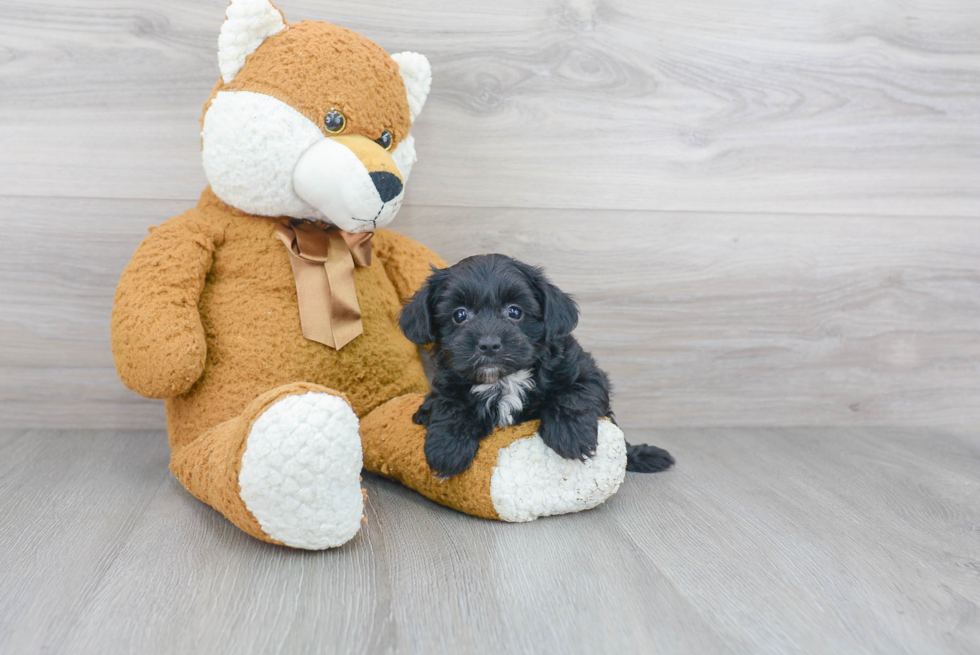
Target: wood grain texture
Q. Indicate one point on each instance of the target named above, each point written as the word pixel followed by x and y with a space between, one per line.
pixel 700 319
pixel 760 541
pixel 746 106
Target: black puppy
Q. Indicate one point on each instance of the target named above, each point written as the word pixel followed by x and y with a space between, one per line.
pixel 504 354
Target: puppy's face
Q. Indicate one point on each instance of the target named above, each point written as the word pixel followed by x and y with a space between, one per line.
pixel 489 316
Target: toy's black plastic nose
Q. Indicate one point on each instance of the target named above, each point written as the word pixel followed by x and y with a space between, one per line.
pixel 387 184
pixel 489 344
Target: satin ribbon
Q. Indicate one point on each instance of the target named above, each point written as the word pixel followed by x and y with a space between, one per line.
pixel 323 260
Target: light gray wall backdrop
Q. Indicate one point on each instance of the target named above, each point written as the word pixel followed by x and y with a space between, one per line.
pixel 769 211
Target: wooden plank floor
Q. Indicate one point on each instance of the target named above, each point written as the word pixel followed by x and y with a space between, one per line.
pixel 774 540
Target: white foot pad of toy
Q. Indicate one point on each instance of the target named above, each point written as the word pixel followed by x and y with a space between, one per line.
pixel 300 475
pixel 532 480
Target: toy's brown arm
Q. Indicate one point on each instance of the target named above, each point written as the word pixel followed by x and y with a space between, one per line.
pixel 408 263
pixel 157 338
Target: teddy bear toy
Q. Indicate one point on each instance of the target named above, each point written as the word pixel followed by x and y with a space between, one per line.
pixel 267 316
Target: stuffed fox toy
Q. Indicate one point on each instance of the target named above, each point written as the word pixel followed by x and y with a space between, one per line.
pixel 267 316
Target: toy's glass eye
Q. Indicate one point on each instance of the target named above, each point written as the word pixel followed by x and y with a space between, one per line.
pixel 515 313
pixel 460 316
pixel 385 140
pixel 335 122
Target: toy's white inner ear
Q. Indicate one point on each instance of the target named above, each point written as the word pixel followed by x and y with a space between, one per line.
pixel 248 23
pixel 417 74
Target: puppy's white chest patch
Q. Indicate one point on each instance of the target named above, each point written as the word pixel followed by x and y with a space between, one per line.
pixel 507 394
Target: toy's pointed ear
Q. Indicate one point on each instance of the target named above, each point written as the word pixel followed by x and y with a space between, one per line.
pixel 417 74
pixel 248 23
pixel 417 320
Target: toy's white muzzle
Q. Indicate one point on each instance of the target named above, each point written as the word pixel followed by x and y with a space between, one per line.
pixel 265 158
pixel 351 181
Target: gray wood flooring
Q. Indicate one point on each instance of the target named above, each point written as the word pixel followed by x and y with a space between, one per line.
pixel 768 540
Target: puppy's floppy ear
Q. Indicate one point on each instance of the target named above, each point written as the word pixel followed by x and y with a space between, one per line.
pixel 560 313
pixel 417 319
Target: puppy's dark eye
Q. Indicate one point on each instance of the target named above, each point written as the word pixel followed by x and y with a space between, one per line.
pixel 335 122
pixel 385 140
pixel 460 316
pixel 515 313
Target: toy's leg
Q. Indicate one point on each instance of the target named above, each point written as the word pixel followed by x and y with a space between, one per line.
pixel 286 470
pixel 515 476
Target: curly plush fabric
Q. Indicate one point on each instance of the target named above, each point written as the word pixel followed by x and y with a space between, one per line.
pixel 209 466
pixel 166 319
pixel 515 477
pixel 300 475
pixel 316 67
pixel 417 75
pixel 247 25
pixel 158 342
pixel 531 480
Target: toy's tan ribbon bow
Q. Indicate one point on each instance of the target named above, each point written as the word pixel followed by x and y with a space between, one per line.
pixel 323 260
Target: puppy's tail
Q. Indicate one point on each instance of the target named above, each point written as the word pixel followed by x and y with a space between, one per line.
pixel 647 459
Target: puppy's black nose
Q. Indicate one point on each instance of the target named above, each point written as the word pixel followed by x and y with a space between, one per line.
pixel 489 344
pixel 387 184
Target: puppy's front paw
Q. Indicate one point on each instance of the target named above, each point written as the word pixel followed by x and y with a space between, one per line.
pixel 424 412
pixel 421 416
pixel 449 452
pixel 573 436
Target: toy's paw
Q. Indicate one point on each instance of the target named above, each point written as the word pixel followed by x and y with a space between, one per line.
pixel 300 473
pixel 532 480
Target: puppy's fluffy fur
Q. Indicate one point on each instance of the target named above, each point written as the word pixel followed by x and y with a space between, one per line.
pixel 504 354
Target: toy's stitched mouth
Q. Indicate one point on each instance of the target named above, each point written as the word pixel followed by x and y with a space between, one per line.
pixel 372 221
